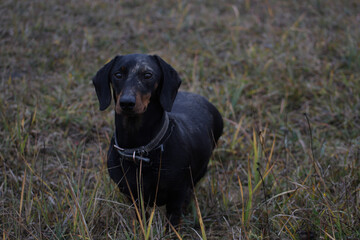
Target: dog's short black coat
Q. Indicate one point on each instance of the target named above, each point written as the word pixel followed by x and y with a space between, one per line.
pixel 144 88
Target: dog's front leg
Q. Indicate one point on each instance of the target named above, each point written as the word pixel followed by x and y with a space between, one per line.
pixel 174 209
pixel 173 216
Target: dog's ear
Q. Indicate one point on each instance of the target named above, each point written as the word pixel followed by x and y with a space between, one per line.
pixel 101 83
pixel 170 84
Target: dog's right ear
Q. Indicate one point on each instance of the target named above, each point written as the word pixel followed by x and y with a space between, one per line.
pixel 101 83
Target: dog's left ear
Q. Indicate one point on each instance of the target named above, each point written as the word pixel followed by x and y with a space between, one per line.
pixel 170 84
pixel 101 83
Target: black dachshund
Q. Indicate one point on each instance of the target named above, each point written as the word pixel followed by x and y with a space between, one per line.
pixel 163 139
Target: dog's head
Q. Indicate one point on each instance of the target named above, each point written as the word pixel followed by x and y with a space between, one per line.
pixel 135 80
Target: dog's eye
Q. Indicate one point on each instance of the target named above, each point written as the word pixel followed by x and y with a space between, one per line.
pixel 147 75
pixel 118 75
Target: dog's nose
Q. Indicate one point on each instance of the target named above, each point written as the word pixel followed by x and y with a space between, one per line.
pixel 127 102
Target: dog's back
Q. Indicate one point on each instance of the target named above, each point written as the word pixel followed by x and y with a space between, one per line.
pixel 201 125
pixel 198 114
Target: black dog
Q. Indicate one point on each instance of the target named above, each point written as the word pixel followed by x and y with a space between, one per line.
pixel 163 139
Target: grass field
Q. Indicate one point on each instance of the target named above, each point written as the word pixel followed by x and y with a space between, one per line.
pixel 284 74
